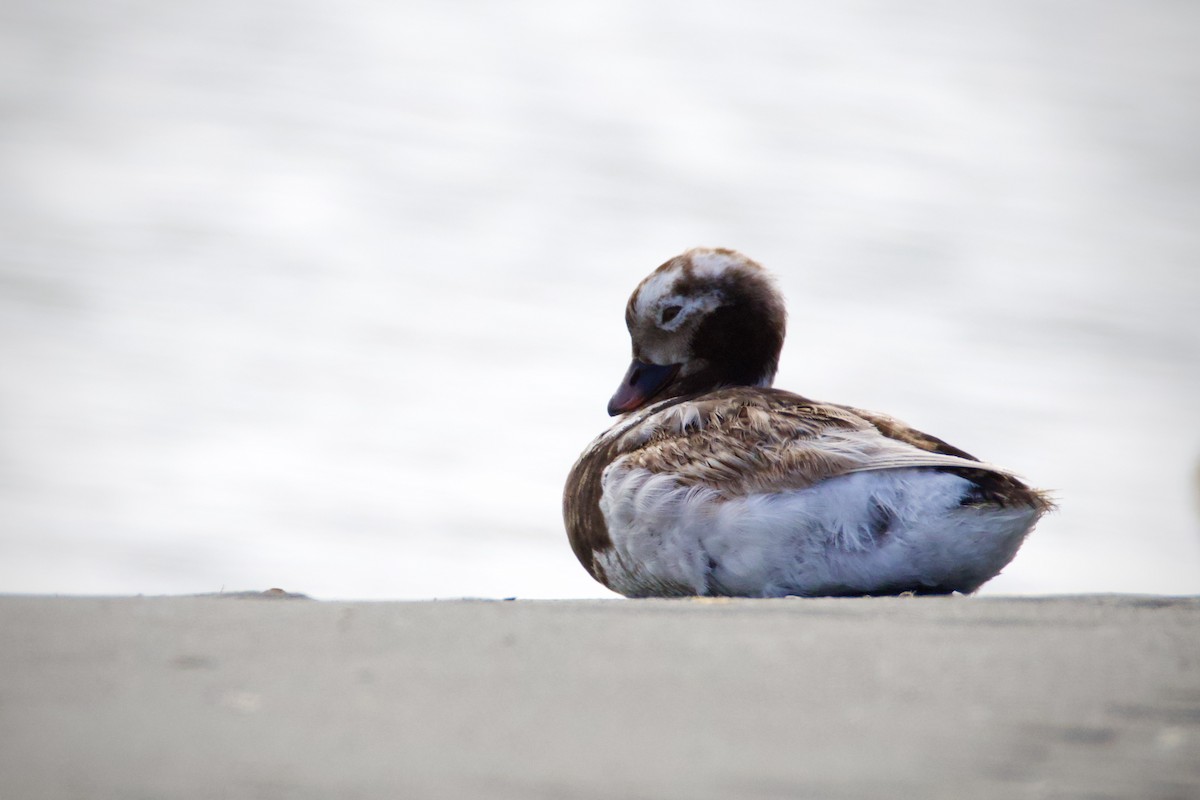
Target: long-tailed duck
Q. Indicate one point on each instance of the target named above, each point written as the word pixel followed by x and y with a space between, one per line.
pixel 712 483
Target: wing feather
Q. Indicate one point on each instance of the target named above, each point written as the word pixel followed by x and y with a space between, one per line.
pixel 742 441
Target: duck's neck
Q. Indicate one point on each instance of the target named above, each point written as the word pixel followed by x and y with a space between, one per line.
pixel 738 345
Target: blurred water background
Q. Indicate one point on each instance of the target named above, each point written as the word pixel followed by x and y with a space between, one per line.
pixel 329 296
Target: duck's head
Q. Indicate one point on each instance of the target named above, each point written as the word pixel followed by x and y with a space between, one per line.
pixel 703 320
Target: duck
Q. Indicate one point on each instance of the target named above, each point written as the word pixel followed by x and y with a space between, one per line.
pixel 712 483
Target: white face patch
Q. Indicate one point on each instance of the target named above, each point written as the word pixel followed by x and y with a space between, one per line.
pixel 657 294
pixel 655 287
pixel 688 307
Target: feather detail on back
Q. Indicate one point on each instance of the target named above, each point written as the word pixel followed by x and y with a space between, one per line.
pixel 739 441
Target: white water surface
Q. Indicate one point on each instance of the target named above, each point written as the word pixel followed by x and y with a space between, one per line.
pixel 329 296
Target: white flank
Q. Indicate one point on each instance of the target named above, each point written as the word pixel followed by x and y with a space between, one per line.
pixel 854 534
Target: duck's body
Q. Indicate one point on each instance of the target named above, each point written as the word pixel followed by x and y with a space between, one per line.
pixel 712 483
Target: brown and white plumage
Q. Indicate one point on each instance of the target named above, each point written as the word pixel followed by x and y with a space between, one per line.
pixel 712 483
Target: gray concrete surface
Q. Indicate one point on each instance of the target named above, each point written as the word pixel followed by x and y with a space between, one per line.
pixel 225 697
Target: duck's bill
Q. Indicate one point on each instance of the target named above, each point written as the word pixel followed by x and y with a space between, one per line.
pixel 641 384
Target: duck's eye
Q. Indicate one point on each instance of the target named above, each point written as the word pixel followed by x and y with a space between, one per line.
pixel 669 313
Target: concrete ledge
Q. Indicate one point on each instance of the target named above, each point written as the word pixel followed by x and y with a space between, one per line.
pixel 205 697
